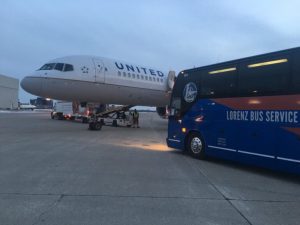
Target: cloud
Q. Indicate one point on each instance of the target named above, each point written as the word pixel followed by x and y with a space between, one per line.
pixel 164 34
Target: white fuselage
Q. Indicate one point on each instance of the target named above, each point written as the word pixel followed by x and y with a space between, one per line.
pixel 97 79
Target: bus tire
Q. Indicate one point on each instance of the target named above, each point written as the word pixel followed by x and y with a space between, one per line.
pixel 195 146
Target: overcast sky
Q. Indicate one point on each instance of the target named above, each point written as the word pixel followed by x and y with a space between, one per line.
pixel 163 34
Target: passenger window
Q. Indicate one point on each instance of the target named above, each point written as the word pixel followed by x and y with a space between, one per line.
pixel 138 76
pixel 119 73
pixel 264 76
pixel 124 74
pixel 219 82
pixel 146 78
pixel 142 77
pixel 129 75
pixel 59 66
pixel 68 67
pixel 133 76
pixel 150 78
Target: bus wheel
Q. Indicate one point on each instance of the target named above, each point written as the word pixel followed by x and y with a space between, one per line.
pixel 195 146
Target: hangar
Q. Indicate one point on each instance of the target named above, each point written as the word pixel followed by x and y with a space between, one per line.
pixel 9 91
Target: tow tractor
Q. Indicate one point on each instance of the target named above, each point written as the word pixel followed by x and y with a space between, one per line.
pixel 116 116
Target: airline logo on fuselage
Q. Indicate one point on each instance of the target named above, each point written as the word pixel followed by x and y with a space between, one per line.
pixel 136 69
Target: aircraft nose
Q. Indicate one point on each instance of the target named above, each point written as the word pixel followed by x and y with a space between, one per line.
pixel 32 85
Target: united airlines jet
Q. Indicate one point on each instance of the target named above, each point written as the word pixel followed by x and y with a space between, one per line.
pixel 98 79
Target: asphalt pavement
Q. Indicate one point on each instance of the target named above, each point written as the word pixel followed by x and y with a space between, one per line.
pixel 59 172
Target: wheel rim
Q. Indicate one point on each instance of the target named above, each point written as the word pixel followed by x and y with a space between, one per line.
pixel 196 145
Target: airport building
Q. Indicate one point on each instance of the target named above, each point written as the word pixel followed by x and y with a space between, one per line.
pixel 9 92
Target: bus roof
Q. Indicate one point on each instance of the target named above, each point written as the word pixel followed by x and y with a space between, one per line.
pixel 243 59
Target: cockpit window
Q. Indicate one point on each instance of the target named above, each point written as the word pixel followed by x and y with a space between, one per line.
pixel 59 66
pixel 68 67
pixel 48 66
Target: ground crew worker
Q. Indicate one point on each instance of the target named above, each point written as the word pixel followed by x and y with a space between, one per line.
pixel 135 116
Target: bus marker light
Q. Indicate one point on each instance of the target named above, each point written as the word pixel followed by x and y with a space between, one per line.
pixel 254 102
pixel 268 63
pixel 183 130
pixel 222 70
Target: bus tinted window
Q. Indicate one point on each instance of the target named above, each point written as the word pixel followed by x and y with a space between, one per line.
pixel 219 82
pixel 296 72
pixel 264 76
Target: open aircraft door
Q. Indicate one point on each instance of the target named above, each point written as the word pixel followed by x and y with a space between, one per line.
pixel 99 71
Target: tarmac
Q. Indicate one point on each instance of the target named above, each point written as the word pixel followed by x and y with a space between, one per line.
pixel 58 172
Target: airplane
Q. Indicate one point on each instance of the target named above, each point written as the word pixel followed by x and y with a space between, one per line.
pixel 99 79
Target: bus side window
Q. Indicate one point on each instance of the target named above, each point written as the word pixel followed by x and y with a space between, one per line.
pixel 296 72
pixel 264 76
pixel 219 82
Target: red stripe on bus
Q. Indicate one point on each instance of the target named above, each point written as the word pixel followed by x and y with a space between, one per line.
pixel 285 102
pixel 293 130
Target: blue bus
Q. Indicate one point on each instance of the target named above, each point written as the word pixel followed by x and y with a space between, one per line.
pixel 245 110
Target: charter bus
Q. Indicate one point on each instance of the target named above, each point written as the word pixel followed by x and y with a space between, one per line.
pixel 245 110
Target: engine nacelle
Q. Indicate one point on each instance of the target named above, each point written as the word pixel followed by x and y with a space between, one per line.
pixel 163 112
pixel 171 80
